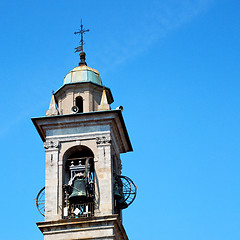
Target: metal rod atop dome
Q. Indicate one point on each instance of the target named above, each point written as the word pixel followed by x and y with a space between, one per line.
pixel 81 32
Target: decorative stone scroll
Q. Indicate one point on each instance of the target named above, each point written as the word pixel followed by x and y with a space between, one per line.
pixel 51 144
pixel 103 140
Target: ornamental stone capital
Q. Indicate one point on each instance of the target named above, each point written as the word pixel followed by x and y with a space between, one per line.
pixel 51 145
pixel 104 140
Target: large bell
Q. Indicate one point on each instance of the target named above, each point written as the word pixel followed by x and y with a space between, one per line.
pixel 79 189
pixel 117 190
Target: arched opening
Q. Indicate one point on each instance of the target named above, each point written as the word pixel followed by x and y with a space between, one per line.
pixel 78 182
pixel 74 156
pixel 79 104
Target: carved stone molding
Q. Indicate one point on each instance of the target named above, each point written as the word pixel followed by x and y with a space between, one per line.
pixel 51 144
pixel 103 140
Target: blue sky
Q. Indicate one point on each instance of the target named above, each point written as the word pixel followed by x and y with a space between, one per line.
pixel 173 65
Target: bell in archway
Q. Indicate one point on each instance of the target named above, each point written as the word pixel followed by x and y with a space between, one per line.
pixel 79 189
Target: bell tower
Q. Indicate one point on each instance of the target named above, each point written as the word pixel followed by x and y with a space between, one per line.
pixel 83 137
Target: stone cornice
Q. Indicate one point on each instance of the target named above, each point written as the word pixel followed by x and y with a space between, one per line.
pixel 111 118
pixel 91 224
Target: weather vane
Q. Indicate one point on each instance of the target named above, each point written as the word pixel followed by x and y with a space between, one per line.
pixel 81 32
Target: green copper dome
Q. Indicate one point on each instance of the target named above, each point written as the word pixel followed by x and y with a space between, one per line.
pixel 83 73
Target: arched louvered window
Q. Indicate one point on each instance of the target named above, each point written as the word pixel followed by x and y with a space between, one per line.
pixel 79 104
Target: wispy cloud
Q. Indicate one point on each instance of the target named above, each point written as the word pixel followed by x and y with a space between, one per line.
pixel 177 13
pixel 15 120
pixel 147 27
pixel 134 34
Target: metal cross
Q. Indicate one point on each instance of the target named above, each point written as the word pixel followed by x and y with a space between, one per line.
pixel 81 32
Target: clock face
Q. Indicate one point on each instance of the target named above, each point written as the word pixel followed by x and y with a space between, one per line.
pixel 40 201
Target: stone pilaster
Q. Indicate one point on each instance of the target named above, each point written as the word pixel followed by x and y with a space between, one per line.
pixel 51 181
pixel 103 183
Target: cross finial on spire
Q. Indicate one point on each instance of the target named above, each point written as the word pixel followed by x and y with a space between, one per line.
pixel 81 32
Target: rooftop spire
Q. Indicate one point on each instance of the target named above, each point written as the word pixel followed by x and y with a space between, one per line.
pixel 80 48
pixel 52 111
pixel 104 105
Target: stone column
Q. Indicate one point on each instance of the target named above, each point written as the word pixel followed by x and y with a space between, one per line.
pixel 103 177
pixel 51 181
pixel 87 107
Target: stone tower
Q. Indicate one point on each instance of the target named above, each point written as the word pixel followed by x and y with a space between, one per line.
pixel 83 139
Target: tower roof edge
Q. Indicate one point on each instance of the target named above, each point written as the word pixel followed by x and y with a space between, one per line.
pixel 43 123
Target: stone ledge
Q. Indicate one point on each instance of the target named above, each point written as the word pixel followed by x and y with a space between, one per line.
pixel 103 227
